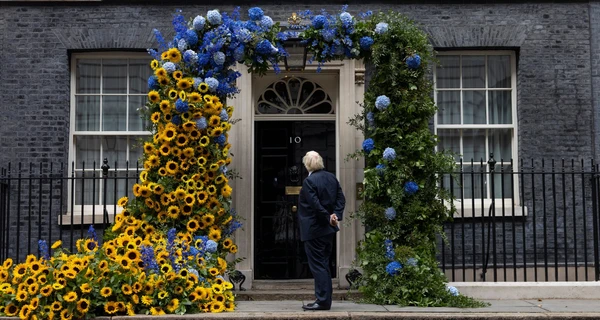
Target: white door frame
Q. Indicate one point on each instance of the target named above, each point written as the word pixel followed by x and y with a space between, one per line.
pixel 350 91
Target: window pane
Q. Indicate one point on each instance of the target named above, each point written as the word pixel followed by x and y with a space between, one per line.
pixel 139 72
pixel 473 71
pixel 452 184
pixel 114 76
pixel 499 72
pixel 474 144
pixel 114 113
pixel 448 72
pixel 117 184
pixel 87 113
pixel 449 107
pixel 88 76
pixel 501 144
pixel 136 150
pixel 500 106
pixel 474 181
pixel 114 148
pixel 87 188
pixel 474 107
pixel 87 149
pixel 449 140
pixel 503 179
pixel 136 121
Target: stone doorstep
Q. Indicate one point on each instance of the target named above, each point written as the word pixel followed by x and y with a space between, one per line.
pixel 303 294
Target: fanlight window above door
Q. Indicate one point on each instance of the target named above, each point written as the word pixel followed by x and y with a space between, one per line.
pixel 294 95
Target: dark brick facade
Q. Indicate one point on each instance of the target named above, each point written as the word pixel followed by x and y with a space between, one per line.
pixel 557 46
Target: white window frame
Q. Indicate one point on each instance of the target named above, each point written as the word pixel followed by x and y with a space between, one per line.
pixel 86 214
pixel 481 208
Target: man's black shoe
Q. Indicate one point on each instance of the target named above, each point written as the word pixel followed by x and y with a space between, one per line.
pixel 316 306
pixel 311 304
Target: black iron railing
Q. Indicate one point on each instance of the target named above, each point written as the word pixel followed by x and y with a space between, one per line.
pixel 525 221
pixel 534 222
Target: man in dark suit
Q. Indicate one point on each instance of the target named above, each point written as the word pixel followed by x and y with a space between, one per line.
pixel 321 206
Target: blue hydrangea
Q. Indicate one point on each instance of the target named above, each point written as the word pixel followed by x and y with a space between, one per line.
pixel 220 140
pixel 169 67
pixel 390 213
pixel 43 249
pixel 319 21
pixel 393 268
pixel 201 123
pixel 191 37
pixel 255 13
pixel 265 47
pixel 181 106
pixel 190 57
pixel 182 45
pixel 365 42
pixel 382 102
pixel 211 246
pixel 212 83
pixel 239 53
pixel 412 262
pixel 199 22
pixel 411 187
pixel 413 61
pixel 346 18
pixel 453 291
pixel 219 58
pixel 389 249
pixel 380 168
pixel 194 272
pixel 328 34
pixel 381 28
pixel 371 118
pixel 368 145
pixel 266 22
pixel 243 35
pixel 389 154
pixel 153 83
pixel 224 116
pixel 176 120
pixel 213 17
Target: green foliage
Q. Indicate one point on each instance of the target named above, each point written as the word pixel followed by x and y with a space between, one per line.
pixel 403 126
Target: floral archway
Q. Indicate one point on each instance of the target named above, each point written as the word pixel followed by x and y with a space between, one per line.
pixel 166 251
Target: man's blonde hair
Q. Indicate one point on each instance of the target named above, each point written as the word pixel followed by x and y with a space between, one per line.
pixel 313 161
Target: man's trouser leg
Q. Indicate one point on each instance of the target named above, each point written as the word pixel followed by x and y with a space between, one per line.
pixel 318 251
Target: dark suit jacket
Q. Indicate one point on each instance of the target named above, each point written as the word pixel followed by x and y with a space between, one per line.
pixel 321 195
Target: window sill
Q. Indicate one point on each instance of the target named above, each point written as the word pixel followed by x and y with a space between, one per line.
pixel 91 215
pixel 466 209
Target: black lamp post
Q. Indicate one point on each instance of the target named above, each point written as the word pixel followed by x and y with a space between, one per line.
pixel 296 54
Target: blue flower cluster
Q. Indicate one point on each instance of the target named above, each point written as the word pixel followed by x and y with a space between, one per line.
pixel 389 249
pixel 43 249
pixel 371 119
pixel 382 102
pixel 389 154
pixel 380 168
pixel 411 188
pixel 381 28
pixel 412 262
pixel 91 233
pixel 368 145
pixel 453 291
pixel 210 46
pixel 393 268
pixel 390 213
pixel 413 61
pixel 149 259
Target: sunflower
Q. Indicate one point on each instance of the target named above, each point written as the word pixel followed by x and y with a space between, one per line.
pixel 106 292
pixel 227 285
pixel 227 243
pixel 226 191
pixel 184 84
pixel 103 265
pixel 85 288
pixel 83 306
pixel 186 210
pixel 25 312
pixel 219 298
pixel 163 295
pixel 208 219
pixel 233 249
pixel 126 289
pixel 165 106
pixel 153 96
pixel 153 161
pixel 177 74
pixel 213 203
pixel 204 141
pixel 169 133
pixel 46 290
pixel 171 167
pixel 213 167
pixel 173 94
pixel 21 295
pixel 220 179
pixel 229 306
pixel 189 126
pixel 160 73
pixel 11 310
pixel 111 307
pixel 174 55
pixel 214 272
pixel 155 117
pixel 181 139
pixel 163 81
pixel 214 235
pixel 194 134
pixel 216 307
pixel 33 288
pixel 202 196
pixel 214 121
pixel 164 55
pixel 217 131
pixel 211 190
pixel 194 97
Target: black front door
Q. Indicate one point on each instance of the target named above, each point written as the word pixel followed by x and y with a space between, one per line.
pixel 278 171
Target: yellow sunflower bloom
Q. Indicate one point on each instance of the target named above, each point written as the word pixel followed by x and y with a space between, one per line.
pixel 160 73
pixel 174 55
pixel 11 310
pixel 154 64
pixel 181 140
pixel 233 249
pixel 56 244
pixel 106 292
pixel 154 96
pixel 111 307
pixel 155 117
pixel 70 297
pixel 83 306
pixel 177 74
pixel 173 94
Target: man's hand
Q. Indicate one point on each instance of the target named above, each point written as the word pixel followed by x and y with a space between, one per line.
pixel 333 220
